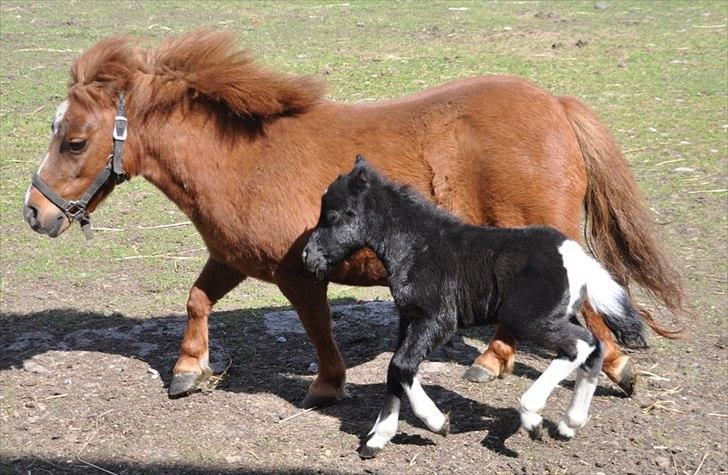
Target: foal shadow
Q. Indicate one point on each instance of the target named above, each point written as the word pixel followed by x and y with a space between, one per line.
pixel 263 350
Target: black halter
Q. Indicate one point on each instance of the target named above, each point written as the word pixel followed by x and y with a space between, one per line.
pixel 76 210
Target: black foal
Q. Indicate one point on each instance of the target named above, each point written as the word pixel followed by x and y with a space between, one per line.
pixel 444 274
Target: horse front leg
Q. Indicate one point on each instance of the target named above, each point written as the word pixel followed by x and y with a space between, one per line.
pixel 308 297
pixel 616 365
pixel 193 365
pixel 496 361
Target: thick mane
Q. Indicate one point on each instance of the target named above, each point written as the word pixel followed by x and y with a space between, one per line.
pixel 105 70
pixel 210 65
pixel 204 65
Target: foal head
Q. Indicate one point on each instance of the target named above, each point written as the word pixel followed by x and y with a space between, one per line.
pixel 341 229
pixel 81 135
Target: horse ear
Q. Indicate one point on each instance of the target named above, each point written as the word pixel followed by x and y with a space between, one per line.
pixel 360 161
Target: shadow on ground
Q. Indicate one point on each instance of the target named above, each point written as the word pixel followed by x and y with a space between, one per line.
pixel 265 351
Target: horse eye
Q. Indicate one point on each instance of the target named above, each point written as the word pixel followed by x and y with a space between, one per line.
pixel 333 216
pixel 76 146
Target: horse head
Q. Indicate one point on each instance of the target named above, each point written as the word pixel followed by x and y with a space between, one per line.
pixel 76 173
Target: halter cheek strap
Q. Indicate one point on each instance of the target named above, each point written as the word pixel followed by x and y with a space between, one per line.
pixel 76 210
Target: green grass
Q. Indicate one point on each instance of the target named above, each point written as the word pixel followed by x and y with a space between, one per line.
pixel 655 71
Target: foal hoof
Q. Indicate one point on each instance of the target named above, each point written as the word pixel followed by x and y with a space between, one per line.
pixel 536 432
pixel 184 384
pixel 367 452
pixel 445 429
pixel 478 374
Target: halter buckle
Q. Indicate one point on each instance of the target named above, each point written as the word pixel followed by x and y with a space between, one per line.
pixel 120 129
pixel 76 210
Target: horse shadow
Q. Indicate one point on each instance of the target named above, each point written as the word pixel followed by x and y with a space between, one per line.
pixel 265 350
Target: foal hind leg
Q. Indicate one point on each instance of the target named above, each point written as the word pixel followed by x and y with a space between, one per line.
pixel 193 365
pixel 308 297
pixel 617 365
pixel 587 377
pixel 573 344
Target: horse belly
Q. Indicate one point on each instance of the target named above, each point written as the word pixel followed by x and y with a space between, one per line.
pixel 363 268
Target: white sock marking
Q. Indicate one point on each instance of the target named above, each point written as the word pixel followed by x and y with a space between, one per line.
pixel 534 399
pixel 423 407
pixel 578 412
pixel 384 429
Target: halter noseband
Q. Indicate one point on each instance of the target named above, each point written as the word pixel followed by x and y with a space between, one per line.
pixel 76 210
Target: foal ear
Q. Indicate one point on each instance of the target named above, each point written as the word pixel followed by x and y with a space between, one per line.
pixel 359 176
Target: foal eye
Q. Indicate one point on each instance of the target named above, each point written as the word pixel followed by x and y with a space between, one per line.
pixel 333 216
pixel 76 146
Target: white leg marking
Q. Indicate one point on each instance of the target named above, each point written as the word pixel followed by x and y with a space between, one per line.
pixel 578 412
pixel 534 399
pixel 384 429
pixel 423 406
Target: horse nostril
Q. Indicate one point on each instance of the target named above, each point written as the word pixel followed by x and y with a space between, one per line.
pixel 31 215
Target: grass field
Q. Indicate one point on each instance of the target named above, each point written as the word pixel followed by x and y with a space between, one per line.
pixel 656 72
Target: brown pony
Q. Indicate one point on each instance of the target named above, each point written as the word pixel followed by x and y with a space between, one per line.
pixel 246 153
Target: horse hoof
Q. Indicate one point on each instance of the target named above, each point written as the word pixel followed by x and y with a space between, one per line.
pixel 367 452
pixel 478 374
pixel 536 432
pixel 312 400
pixel 184 384
pixel 627 379
pixel 445 429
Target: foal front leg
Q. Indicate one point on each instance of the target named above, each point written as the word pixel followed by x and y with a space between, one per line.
pixel 417 342
pixel 193 365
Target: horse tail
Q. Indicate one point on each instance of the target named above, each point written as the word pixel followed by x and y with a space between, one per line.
pixel 619 231
pixel 604 294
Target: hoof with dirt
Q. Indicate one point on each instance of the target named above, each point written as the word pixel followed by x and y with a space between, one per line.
pixel 184 384
pixel 478 374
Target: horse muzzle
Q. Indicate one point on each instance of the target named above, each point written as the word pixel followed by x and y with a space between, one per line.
pixel 47 220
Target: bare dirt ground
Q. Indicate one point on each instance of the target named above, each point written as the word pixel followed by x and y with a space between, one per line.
pixel 90 332
pixel 82 388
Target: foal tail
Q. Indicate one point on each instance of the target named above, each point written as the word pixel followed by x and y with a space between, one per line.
pixel 619 231
pixel 604 294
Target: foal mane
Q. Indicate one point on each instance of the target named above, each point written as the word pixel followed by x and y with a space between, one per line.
pixel 201 65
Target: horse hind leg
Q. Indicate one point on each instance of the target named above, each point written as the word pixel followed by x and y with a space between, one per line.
pixel 617 366
pixel 574 343
pixel 193 365
pixel 495 362
pixel 587 377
